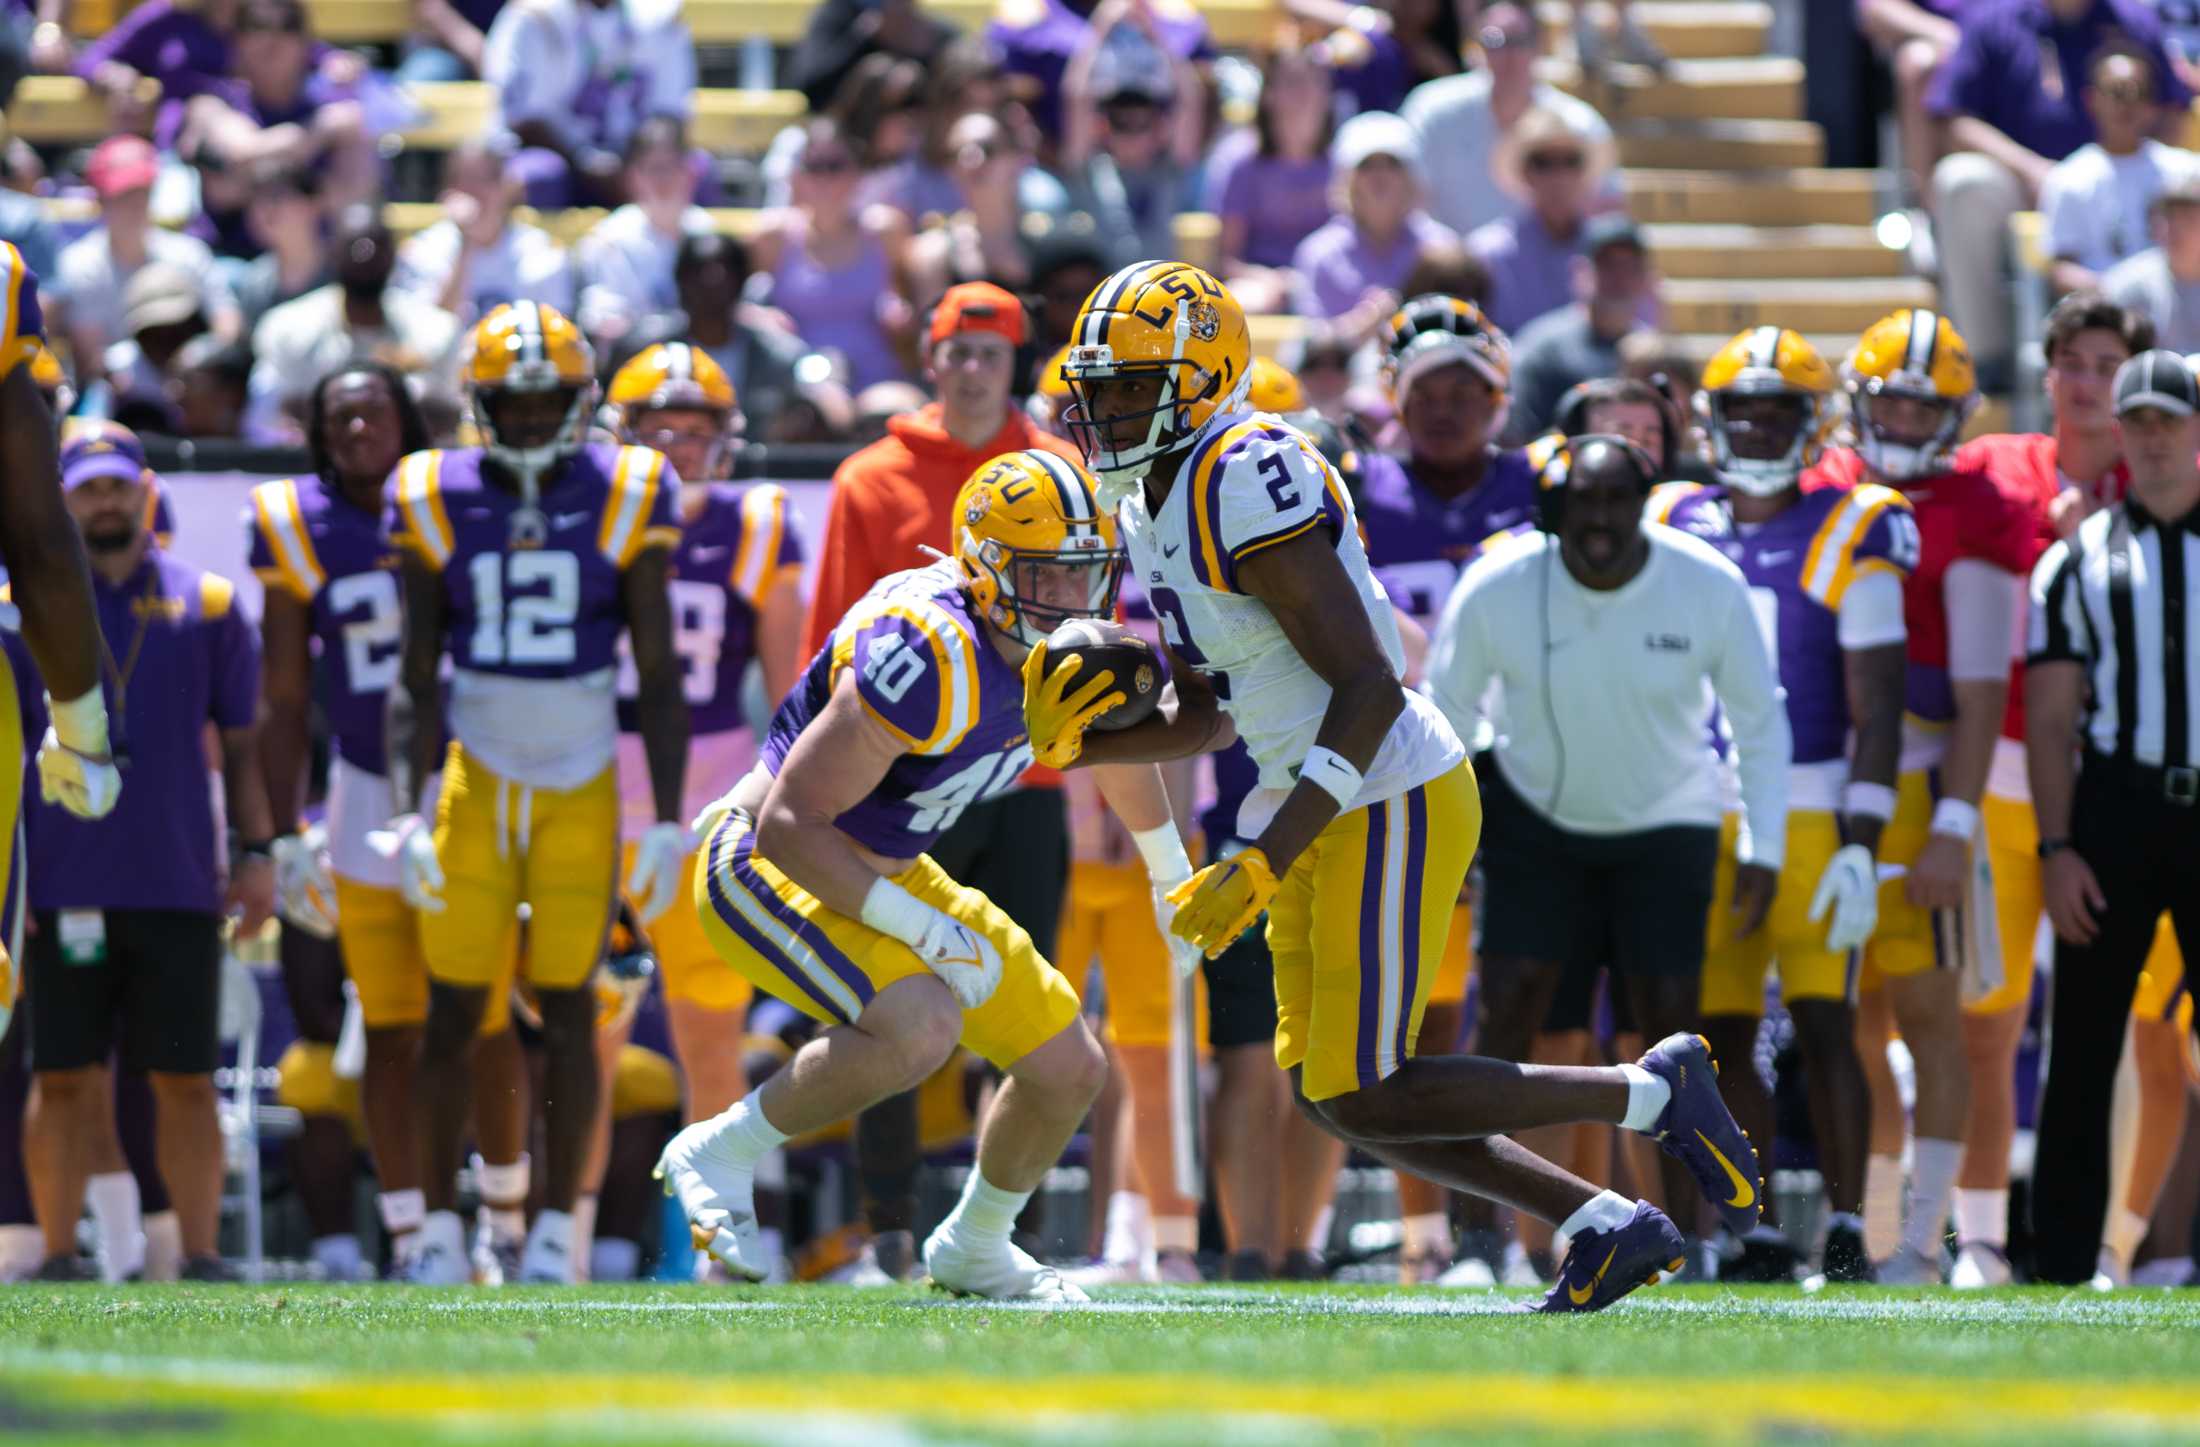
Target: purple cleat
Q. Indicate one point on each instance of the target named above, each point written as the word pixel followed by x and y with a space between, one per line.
pixel 1697 1128
pixel 1603 1266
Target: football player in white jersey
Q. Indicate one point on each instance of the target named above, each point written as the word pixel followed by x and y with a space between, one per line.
pixel 1367 815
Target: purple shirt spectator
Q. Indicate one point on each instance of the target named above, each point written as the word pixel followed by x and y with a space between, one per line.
pixel 1531 271
pixel 175 46
pixel 197 661
pixel 1036 38
pixel 1281 201
pixel 1370 67
pixel 2000 72
pixel 1337 265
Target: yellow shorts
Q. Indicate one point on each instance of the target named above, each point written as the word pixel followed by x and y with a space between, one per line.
pixel 643 1083
pixel 1108 915
pixel 380 938
pixel 690 967
pixel 1907 941
pixel 501 844
pixel 1358 919
pixel 1734 969
pixel 1458 962
pixel 2162 983
pixel 791 946
pixel 308 1083
pixel 12 761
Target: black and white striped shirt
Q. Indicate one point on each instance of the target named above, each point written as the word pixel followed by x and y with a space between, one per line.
pixel 2122 598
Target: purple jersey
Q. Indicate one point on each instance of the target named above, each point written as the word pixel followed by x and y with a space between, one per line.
pixel 730 555
pixel 1417 542
pixel 926 669
pixel 185 656
pixel 547 604
pixel 308 541
pixel 1799 566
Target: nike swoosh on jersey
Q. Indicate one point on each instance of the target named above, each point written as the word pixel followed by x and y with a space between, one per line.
pixel 1778 557
pixel 1579 1295
pixel 569 519
pixel 1169 552
pixel 1744 1193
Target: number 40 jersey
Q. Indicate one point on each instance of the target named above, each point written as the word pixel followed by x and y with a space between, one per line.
pixel 1249 483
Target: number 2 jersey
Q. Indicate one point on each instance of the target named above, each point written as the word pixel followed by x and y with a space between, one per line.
pixel 925 669
pixel 532 623
pixel 1250 483
pixel 734 549
pixel 1800 566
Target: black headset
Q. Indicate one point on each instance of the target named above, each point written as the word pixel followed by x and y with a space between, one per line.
pixel 1557 474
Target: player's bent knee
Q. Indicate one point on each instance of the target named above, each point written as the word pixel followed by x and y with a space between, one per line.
pixel 66 1089
pixel 454 1018
pixel 923 1032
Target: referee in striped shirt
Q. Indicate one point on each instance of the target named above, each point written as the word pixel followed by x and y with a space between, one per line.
pixel 2114 759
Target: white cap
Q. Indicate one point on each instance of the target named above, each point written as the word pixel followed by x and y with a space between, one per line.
pixel 1376 133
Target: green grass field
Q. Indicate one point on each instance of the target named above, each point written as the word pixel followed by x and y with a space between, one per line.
pixel 310 1366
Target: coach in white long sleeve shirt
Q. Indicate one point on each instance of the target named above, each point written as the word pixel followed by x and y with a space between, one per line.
pixel 1606 641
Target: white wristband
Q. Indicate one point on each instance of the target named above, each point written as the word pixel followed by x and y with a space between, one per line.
pixel 1333 774
pixel 81 723
pixel 892 910
pixel 1956 819
pixel 1868 801
pixel 1163 850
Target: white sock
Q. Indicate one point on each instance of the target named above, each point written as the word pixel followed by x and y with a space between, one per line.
pixel 503 1185
pixel 118 1220
pixel 771 1170
pixel 1604 1211
pixel 1882 1206
pixel 1129 1232
pixel 554 1226
pixel 1933 1167
pixel 1317 1240
pixel 2126 1229
pixel 982 1219
pixel 339 1256
pixel 1427 1234
pixel 22 1249
pixel 503 1223
pixel 163 1246
pixel 1982 1217
pixel 1176 1233
pixel 1647 1097
pixel 584 1235
pixel 611 1259
pixel 402 1211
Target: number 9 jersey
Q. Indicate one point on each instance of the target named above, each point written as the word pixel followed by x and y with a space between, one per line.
pixel 1251 483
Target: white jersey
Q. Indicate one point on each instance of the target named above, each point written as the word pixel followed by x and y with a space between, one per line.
pixel 1253 481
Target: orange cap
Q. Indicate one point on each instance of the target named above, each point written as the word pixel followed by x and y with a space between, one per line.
pixel 978 306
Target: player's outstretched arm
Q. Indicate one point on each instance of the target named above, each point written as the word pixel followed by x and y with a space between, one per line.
pixel 40 545
pixel 1305 586
pixel 415 734
pixel 1189 721
pixel 660 708
pixel 832 767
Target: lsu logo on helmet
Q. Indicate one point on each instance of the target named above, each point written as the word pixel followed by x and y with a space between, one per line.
pixel 521 349
pixel 1920 356
pixel 1165 320
pixel 1035 547
pixel 1767 407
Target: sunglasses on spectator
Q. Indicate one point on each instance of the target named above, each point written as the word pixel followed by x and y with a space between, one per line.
pixel 1495 38
pixel 977 153
pixel 1544 161
pixel 1132 120
pixel 828 165
pixel 2128 93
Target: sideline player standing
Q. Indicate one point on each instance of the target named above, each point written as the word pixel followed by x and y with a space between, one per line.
pixel 1825 570
pixel 525 558
pixel 819 888
pixel 1366 818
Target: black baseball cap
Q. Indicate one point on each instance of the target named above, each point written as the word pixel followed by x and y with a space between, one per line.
pixel 2160 379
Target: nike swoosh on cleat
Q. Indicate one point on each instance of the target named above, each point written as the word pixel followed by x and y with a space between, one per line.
pixel 1744 1194
pixel 1581 1297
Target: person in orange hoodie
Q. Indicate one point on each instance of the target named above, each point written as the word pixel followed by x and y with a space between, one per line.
pixel 891 501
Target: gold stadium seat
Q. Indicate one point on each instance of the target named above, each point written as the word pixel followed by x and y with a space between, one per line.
pixel 59 110
pixel 725 120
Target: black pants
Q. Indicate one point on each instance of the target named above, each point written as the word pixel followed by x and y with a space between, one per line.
pixel 2145 851
pixel 1014 850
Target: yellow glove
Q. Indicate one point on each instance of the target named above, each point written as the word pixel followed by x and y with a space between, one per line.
pixel 1221 902
pixel 1057 723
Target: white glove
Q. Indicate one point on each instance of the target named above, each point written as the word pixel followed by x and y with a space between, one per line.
pixel 75 762
pixel 1182 952
pixel 654 881
pixel 964 959
pixel 1849 889
pixel 305 891
pixel 408 840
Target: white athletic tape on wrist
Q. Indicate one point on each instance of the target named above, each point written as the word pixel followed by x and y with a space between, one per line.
pixel 1956 819
pixel 1163 850
pixel 1333 774
pixel 1868 801
pixel 80 723
pixel 892 910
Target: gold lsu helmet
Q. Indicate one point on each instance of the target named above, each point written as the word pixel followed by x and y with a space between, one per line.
pixel 1019 518
pixel 521 349
pixel 1163 319
pixel 1763 452
pixel 1919 355
pixel 675 377
pixel 1432 331
pixel 1273 388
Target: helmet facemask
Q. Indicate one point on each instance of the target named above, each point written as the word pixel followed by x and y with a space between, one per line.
pixel 1036 592
pixel 1119 469
pixel 1763 433
pixel 1895 459
pixel 541 447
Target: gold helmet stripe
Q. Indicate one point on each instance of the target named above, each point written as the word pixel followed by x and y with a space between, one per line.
pixel 1924 336
pixel 1764 348
pixel 1078 507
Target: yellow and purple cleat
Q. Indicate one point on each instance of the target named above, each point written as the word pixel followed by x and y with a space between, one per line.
pixel 1698 1129
pixel 1603 1266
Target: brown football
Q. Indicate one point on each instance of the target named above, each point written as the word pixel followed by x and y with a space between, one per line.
pixel 1110 647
